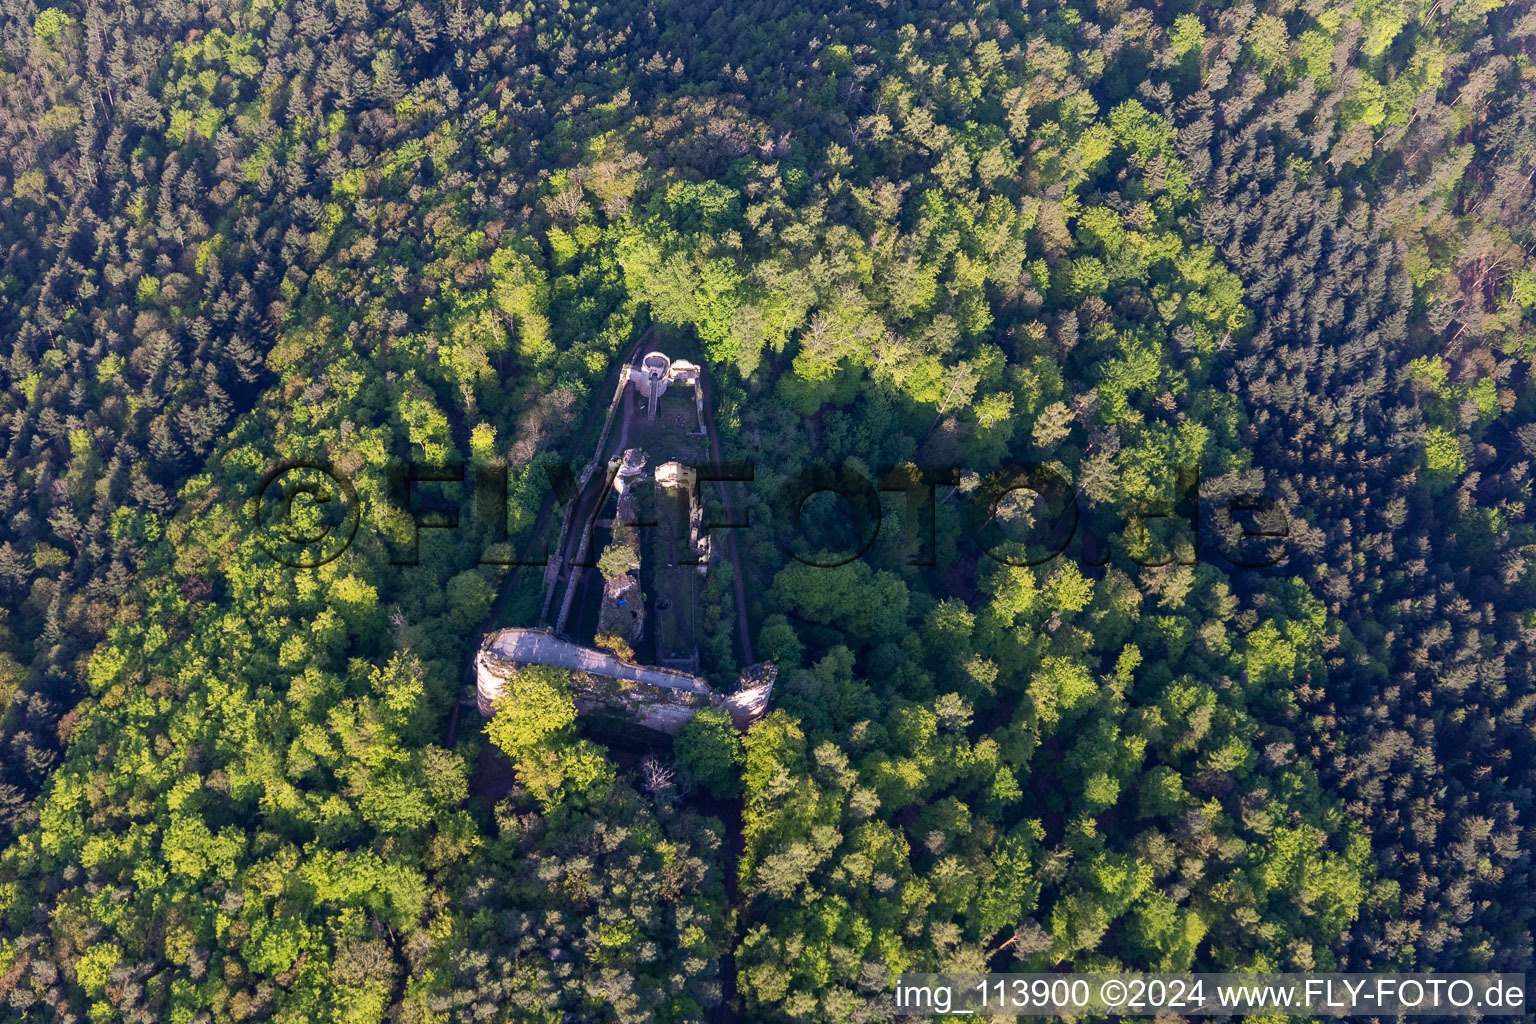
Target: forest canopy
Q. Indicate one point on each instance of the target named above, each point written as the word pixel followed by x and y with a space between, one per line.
pixel 1261 270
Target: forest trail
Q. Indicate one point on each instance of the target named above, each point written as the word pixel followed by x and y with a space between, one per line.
pixel 729 813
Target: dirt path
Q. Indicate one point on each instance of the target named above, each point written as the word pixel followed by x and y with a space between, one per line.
pixel 729 813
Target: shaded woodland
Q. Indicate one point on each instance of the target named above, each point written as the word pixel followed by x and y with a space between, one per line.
pixel 1284 246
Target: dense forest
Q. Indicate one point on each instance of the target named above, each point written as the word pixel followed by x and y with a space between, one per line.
pixel 1255 280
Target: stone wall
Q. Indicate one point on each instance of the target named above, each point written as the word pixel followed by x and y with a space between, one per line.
pixel 662 699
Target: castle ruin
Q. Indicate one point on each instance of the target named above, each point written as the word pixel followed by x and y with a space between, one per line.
pixel 652 377
pixel 658 697
pixel 661 699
